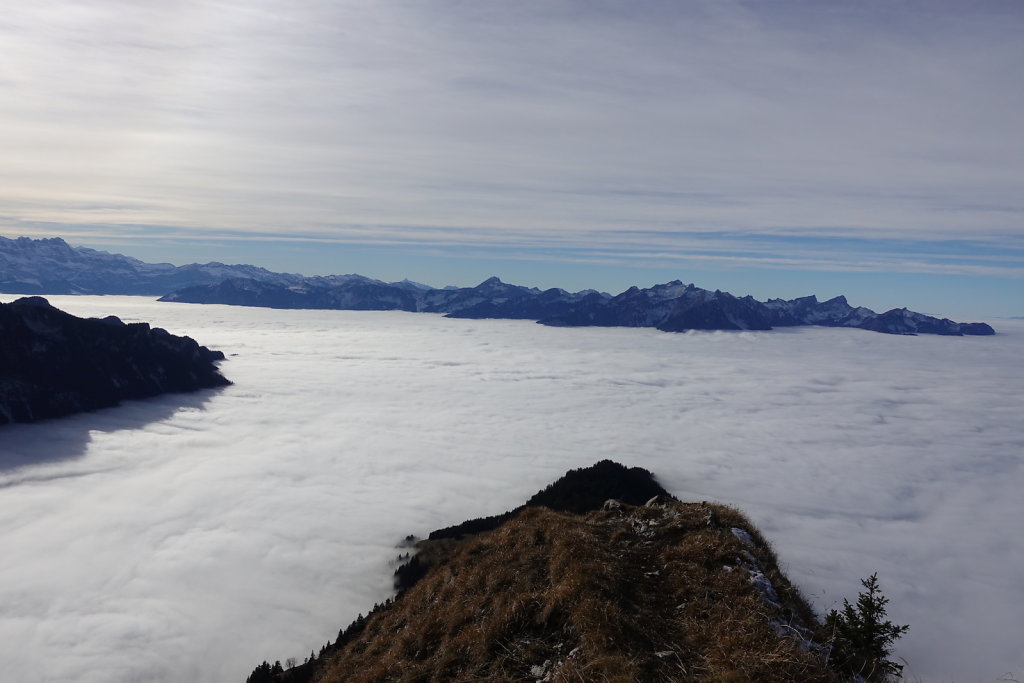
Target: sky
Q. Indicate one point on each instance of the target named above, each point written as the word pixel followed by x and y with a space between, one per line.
pixel 190 537
pixel 781 148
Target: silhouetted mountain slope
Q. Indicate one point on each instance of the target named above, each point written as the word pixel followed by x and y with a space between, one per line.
pixel 53 364
pixel 660 591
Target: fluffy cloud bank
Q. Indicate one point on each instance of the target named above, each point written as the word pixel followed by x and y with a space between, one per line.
pixel 188 538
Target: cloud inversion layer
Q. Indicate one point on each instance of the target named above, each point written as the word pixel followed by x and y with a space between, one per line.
pixel 254 522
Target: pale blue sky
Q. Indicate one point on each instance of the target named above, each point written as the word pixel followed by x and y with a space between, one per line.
pixel 874 149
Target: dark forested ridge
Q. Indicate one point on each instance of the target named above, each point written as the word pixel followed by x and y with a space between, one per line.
pixel 53 363
pixel 578 491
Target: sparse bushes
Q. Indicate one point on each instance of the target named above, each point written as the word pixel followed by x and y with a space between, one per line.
pixel 862 637
pixel 265 673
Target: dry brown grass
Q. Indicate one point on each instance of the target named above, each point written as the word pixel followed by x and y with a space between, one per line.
pixel 638 594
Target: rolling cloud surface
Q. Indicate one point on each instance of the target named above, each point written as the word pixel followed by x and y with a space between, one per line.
pixel 191 537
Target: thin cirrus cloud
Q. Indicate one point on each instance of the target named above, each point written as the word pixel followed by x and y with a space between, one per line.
pixel 191 537
pixel 563 121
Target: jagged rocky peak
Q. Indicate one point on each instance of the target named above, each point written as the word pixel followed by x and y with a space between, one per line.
pixel 53 363
pixel 53 245
pixel 412 284
pixel 492 284
pixel 668 290
pixel 495 284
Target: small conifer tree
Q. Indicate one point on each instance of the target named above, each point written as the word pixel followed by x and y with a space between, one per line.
pixel 862 636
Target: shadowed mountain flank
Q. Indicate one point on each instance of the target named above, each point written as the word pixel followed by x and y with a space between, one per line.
pixel 54 364
pixel 657 590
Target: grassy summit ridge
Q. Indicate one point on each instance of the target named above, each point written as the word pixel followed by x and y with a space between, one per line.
pixel 652 590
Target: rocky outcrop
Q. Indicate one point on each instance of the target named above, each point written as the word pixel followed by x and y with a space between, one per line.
pixel 53 363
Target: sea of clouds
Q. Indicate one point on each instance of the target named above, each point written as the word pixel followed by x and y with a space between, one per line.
pixel 189 537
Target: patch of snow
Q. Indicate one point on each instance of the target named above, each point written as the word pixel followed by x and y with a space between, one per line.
pixel 743 536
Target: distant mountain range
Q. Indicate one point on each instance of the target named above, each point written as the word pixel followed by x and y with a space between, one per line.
pixel 52 266
pixel 54 364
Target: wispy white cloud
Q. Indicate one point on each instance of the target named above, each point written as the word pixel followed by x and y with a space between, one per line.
pixel 570 118
pixel 255 521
